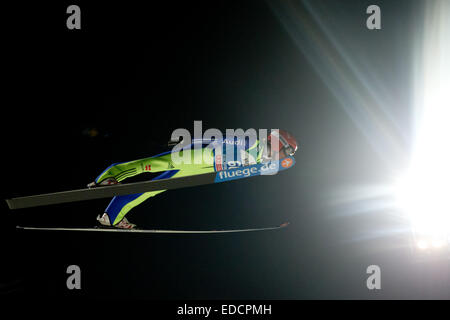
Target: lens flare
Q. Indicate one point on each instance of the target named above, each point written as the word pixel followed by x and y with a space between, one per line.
pixel 424 192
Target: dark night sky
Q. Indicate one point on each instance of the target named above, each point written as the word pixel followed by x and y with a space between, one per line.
pixel 136 73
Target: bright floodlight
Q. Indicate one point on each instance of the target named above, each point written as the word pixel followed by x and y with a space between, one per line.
pixel 424 193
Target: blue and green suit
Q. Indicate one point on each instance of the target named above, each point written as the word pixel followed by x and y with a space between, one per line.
pixel 208 160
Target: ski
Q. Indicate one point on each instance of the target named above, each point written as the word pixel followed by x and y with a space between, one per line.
pixel 153 231
pixel 269 168
pixel 109 191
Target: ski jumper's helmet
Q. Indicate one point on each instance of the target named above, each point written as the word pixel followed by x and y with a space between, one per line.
pixel 286 141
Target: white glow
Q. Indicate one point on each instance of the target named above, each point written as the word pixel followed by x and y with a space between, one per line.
pixel 438 243
pixel 424 193
pixel 422 244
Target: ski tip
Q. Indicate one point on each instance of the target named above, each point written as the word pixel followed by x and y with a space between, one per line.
pixel 10 204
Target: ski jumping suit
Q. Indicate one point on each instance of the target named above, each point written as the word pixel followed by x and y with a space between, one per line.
pixel 201 162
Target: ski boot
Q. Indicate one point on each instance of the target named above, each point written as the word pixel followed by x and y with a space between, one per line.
pixel 106 182
pixel 123 224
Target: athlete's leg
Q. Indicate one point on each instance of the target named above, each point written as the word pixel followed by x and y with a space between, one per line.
pixel 121 205
pixel 121 171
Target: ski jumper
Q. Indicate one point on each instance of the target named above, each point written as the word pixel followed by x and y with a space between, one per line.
pixel 200 162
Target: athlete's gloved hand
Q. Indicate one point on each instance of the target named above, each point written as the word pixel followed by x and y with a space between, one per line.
pixel 106 182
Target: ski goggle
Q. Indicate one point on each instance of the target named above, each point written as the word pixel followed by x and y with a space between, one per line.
pixel 284 144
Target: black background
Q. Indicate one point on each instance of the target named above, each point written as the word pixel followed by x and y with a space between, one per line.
pixel 136 72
